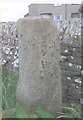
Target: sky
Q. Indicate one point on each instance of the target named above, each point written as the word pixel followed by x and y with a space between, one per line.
pixel 12 10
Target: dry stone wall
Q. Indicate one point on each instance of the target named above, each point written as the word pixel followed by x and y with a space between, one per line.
pixel 9 37
pixel 70 37
pixel 69 34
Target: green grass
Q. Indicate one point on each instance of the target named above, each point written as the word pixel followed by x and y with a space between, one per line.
pixel 9 83
pixel 70 112
pixel 12 109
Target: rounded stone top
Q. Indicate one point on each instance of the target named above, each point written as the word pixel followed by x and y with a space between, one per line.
pixel 37 20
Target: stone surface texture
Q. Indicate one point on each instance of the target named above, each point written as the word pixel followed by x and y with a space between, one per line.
pixel 39 70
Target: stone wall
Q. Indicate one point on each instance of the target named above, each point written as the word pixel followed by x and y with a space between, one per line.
pixel 70 37
pixel 9 37
pixel 69 34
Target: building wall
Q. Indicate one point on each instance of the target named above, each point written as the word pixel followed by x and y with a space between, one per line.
pixel 65 9
pixel 59 10
pixel 37 9
pixel 72 8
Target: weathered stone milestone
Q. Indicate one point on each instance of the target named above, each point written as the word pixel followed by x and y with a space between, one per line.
pixel 39 70
pixel 69 35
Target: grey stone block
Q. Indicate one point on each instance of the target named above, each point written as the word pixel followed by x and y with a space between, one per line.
pixel 74 60
pixel 74 91
pixel 70 73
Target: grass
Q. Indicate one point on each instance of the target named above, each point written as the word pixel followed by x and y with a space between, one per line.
pixel 12 109
pixel 70 112
pixel 9 83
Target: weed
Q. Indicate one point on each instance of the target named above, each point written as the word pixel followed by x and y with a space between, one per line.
pixel 9 83
pixel 12 109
